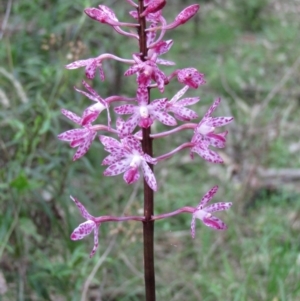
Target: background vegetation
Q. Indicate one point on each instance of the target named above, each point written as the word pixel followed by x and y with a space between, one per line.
pixel 249 52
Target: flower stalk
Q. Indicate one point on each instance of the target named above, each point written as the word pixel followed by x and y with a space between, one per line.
pixel 148 224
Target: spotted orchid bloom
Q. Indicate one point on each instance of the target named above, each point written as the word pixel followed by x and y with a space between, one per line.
pixel 127 157
pixel 191 77
pixel 144 114
pixel 92 112
pixel 87 227
pixel 201 147
pixel 203 212
pixel 205 136
pixel 81 138
pixel 205 130
pixel 146 72
pixel 159 49
pixel 178 107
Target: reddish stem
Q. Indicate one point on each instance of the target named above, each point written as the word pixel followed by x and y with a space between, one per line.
pixel 148 224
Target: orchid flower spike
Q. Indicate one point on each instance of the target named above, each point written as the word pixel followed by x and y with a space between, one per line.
pixel 203 212
pixel 207 126
pixel 87 227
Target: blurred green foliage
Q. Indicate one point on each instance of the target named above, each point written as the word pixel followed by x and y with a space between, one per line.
pixel 246 50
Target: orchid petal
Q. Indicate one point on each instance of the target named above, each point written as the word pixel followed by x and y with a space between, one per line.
pixel 214 222
pixel 83 230
pixel 149 176
pixel 218 207
pixel 117 168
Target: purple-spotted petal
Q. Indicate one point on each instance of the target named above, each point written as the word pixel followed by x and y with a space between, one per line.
pixel 149 176
pixel 183 114
pixel 74 134
pixel 108 11
pixel 72 116
pixel 164 118
pixel 133 143
pixel 219 121
pixel 159 77
pixel 191 77
pixel 90 69
pixel 133 69
pixel 125 109
pixel 117 168
pixel 207 154
pixel 109 141
pixel 84 213
pixel 84 147
pixel 214 222
pixel 187 13
pixel 207 197
pixel 130 124
pixel 158 104
pixel 162 47
pixel 131 175
pixel 188 101
pixel 212 108
pixel 111 159
pixel 83 230
pixel 218 207
pixel 142 95
pixel 79 64
pixel 96 242
pixel 216 140
pixel 179 94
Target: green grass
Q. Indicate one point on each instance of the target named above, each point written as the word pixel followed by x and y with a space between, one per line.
pixel 244 59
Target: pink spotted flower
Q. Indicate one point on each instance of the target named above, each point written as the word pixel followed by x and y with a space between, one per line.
pixel 207 126
pixel 191 77
pixel 81 138
pixel 205 135
pixel 87 227
pixel 144 114
pixel 126 156
pixel 146 72
pixel 203 212
pixel 178 107
pixel 92 112
pixel 159 49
